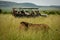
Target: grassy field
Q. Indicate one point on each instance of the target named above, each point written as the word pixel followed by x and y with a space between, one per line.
pixel 9 28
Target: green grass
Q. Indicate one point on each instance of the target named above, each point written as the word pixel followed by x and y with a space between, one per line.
pixel 9 28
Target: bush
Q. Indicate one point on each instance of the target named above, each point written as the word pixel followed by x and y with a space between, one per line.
pixel 5 12
pixel 57 12
pixel 46 12
pixel 51 12
pixel 0 10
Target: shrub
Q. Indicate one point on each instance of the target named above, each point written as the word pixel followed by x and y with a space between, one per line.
pixel 57 12
pixel 46 12
pixel 51 12
pixel 0 10
pixel 5 12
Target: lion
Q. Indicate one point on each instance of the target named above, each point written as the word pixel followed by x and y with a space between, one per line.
pixel 27 26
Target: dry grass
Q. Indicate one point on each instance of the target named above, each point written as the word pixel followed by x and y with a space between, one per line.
pixel 9 28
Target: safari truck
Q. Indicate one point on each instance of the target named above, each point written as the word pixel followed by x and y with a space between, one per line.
pixel 26 12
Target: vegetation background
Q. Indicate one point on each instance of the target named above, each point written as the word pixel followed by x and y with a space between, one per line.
pixel 9 26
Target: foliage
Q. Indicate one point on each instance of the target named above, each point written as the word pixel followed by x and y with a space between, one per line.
pixel 52 12
pixel 0 10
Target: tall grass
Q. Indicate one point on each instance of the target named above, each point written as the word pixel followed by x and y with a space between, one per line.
pixel 10 30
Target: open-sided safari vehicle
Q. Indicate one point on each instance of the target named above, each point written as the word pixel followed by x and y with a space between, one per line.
pixel 26 12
